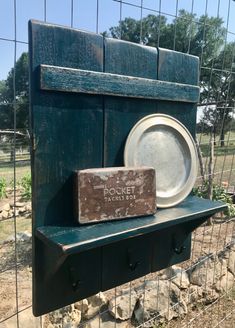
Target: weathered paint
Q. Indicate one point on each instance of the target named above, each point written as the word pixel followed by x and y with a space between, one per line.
pixel 53 78
pixel 114 193
pixel 74 131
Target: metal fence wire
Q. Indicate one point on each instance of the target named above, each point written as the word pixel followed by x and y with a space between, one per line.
pixel 197 293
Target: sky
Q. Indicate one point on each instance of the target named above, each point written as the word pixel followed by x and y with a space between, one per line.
pixel 84 17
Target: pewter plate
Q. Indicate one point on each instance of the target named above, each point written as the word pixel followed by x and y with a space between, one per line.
pixel 162 142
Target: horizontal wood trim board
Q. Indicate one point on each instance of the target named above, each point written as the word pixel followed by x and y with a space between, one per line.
pixel 54 78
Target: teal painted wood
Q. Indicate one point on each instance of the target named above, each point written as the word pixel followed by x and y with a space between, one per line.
pixel 120 116
pixel 118 55
pixel 122 113
pixel 184 112
pixel 66 134
pixel 71 131
pixel 178 67
pixel 68 130
pixel 70 283
pixel 133 258
pixel 74 239
pixel 177 245
pixel 182 68
pixel 81 81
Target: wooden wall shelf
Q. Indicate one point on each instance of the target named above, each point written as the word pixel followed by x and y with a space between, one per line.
pixel 87 92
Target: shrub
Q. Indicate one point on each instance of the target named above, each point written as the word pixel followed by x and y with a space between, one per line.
pixel 25 183
pixel 3 186
pixel 219 193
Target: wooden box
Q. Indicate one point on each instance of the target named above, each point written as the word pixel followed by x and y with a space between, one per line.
pixel 113 193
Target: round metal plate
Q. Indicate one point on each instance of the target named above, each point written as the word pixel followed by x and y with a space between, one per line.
pixel 162 142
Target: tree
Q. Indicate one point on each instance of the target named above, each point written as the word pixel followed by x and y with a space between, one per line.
pixel 6 117
pixel 203 37
pixel 145 31
pixel 17 76
pixel 220 93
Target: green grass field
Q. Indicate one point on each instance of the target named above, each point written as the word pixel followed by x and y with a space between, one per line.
pixel 7 172
pixel 228 149
pixel 224 160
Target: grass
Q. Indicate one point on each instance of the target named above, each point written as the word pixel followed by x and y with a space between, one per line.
pixel 205 138
pixel 228 149
pixel 224 158
pixel 224 169
pixel 7 172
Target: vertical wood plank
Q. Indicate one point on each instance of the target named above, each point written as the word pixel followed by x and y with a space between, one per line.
pixel 67 135
pixel 183 68
pixel 127 58
pixel 68 128
pixel 178 67
pixel 121 114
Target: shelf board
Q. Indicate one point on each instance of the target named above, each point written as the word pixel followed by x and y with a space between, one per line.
pixel 64 79
pixel 75 239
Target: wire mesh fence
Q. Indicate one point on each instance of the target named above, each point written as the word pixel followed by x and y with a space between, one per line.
pixel 197 293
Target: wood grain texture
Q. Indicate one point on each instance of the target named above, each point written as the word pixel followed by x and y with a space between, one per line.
pixel 67 134
pixel 120 114
pixel 80 81
pixel 178 67
pixel 118 54
pixel 68 130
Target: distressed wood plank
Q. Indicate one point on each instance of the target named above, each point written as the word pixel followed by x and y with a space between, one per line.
pixel 120 114
pixel 63 143
pixel 178 67
pixel 143 59
pixel 59 122
pixel 83 81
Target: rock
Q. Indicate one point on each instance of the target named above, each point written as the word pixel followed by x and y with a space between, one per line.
pixel 178 276
pixel 50 326
pixel 24 236
pixel 105 320
pixel 232 246
pixel 95 303
pixel 28 207
pixel 11 214
pixel 226 283
pixel 206 273
pixel 231 262
pixel 72 319
pixel 68 317
pixel 82 306
pixel 19 204
pixel 22 210
pixel 162 299
pixel 4 214
pixel 196 294
pixel 192 294
pixel 97 300
pixel 55 317
pixel 208 296
pixel 123 305
pixel 5 207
